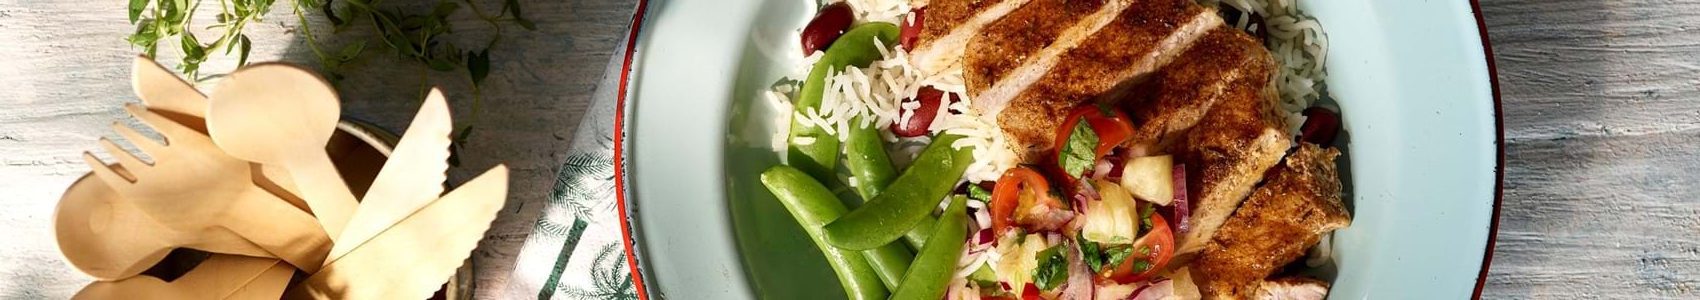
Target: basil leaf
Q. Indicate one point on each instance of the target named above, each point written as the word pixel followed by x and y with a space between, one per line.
pixel 1090 253
pixel 1116 255
pixel 1078 153
pixel 1145 218
pixel 478 66
pixel 136 8
pixel 978 193
pixel 1052 270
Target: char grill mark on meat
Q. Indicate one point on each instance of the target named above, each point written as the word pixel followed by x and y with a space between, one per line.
pixel 1025 38
pixel 1143 38
pixel 1224 62
pixel 949 25
pixel 1226 154
pixel 1277 224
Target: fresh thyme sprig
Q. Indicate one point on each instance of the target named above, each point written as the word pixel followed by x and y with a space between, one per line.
pixel 413 36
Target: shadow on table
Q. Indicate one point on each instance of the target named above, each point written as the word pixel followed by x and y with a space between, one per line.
pixel 537 91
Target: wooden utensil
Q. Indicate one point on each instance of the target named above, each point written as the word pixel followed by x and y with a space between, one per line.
pixel 192 185
pixel 413 258
pixel 104 235
pixel 219 277
pixel 279 114
pixel 411 178
pixel 163 92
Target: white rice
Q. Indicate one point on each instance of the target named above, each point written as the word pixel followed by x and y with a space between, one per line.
pixel 889 11
pixel 876 94
pixel 1298 44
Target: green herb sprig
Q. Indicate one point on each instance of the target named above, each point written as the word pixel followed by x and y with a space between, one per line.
pixel 413 36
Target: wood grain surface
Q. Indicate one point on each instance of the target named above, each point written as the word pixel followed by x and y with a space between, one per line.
pixel 64 72
pixel 1602 144
pixel 1600 111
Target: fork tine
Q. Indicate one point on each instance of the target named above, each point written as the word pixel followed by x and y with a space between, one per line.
pixel 173 132
pixel 105 173
pixel 142 142
pixel 125 158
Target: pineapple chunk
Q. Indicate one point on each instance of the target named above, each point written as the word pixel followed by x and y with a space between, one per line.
pixel 1150 178
pixel 1017 260
pixel 1111 219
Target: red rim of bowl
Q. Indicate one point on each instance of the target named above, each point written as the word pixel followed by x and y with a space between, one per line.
pixel 633 254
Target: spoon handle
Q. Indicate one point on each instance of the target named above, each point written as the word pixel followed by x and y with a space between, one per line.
pixel 281 229
pixel 324 190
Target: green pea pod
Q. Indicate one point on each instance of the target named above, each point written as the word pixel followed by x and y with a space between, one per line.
pixel 813 205
pixel 917 237
pixel 930 275
pixel 910 198
pixel 870 166
pixel 812 149
pixel 890 262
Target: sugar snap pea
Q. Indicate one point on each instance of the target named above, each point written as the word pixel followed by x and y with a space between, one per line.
pixel 930 275
pixel 917 237
pixel 813 205
pixel 812 149
pixel 911 196
pixel 864 155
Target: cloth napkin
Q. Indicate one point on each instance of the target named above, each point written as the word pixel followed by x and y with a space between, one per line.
pixel 575 250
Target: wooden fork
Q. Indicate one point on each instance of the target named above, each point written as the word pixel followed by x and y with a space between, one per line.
pixel 193 185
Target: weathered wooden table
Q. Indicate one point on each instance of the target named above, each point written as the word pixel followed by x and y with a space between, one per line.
pixel 65 69
pixel 1602 128
pixel 1601 102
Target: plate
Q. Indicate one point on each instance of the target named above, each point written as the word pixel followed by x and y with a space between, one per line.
pixel 1412 79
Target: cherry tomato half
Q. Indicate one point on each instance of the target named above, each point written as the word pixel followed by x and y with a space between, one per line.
pixel 1112 130
pixel 1160 241
pixel 1010 188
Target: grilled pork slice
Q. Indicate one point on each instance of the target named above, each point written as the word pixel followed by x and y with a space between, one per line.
pixel 1294 288
pixel 1030 39
pixel 1226 155
pixel 1278 223
pixel 1223 62
pixel 948 26
pixel 1142 39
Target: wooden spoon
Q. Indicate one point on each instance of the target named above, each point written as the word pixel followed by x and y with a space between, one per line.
pixel 279 114
pixel 413 258
pixel 106 236
pixel 163 92
pixel 219 277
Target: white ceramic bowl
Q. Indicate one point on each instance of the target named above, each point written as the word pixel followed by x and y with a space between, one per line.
pixel 1412 79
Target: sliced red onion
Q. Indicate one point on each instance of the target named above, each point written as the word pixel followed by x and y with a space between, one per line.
pixel 1102 169
pixel 984 237
pixel 1087 188
pixel 1182 205
pixel 1157 290
pixel 1079 203
pixel 1080 284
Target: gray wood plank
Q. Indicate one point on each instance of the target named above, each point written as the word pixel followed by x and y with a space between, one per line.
pixel 1601 129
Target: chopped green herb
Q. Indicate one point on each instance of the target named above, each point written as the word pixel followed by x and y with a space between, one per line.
pixel 1145 218
pixel 1078 154
pixel 1052 270
pixel 1140 266
pixel 978 193
pixel 1100 257
pixel 1114 256
pixel 1089 252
